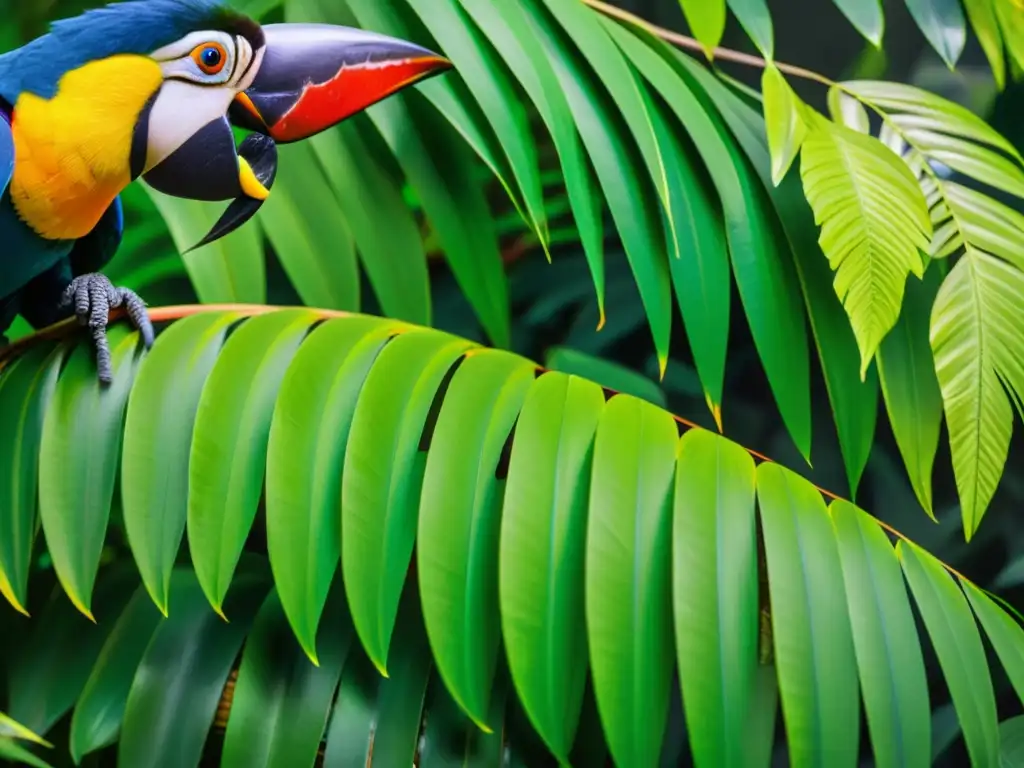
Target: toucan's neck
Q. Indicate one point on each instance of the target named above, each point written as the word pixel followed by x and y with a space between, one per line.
pixel 73 151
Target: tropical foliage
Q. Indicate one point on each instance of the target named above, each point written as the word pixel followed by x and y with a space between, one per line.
pixel 427 550
pixel 509 487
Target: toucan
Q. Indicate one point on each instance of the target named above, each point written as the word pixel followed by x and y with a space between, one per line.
pixel 150 89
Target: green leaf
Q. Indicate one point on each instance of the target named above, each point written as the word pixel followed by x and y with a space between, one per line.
pixel 707 22
pixel 305 455
pixel 541 556
pixel 281 702
pixel 26 387
pixel 400 698
pixel 229 444
pixel 943 25
pixel 892 674
pixel 491 86
pixel 958 646
pixel 628 576
pixel 9 750
pixel 11 729
pixel 180 681
pixel 459 523
pixel 813 642
pixel 608 374
pixel 385 231
pixel 1005 634
pixel 982 15
pixel 99 710
pixel 785 123
pixel 919 108
pixel 911 390
pixel 383 476
pixel 854 403
pixel 47 675
pixel 1011 19
pixel 78 458
pixel 866 16
pixel 976 348
pixel 377 721
pixel 450 739
pixel 756 20
pixel 874 223
pixel 715 594
pixel 449 95
pixel 313 243
pixel 1011 742
pixel 766 283
pixel 440 167
pixel 157 439
pixel 229 270
pixel 507 26
pixel 606 117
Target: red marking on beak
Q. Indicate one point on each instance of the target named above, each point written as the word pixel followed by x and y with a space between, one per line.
pixel 353 89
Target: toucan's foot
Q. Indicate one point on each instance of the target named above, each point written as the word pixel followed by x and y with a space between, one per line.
pixel 93 296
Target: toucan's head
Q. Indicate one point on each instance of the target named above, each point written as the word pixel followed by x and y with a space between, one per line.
pixel 284 82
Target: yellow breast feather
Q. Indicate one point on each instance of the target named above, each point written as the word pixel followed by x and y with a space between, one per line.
pixel 72 152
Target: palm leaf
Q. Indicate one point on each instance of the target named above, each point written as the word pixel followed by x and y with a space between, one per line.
pixel 976 355
pixel 505 460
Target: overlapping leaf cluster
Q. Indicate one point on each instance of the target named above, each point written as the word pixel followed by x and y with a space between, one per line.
pixel 569 534
pixel 919 194
pixel 998 24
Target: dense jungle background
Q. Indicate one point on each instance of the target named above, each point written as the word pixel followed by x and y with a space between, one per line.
pixel 554 312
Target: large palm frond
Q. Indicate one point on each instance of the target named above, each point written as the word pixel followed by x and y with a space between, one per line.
pixel 553 527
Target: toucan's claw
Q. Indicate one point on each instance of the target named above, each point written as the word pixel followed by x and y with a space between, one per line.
pixel 260 152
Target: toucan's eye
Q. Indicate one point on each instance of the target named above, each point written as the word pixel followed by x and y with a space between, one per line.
pixel 210 57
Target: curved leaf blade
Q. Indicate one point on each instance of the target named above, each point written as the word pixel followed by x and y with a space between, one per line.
pixel 459 523
pixel 383 476
pixel 958 645
pixel 281 701
pixel 157 438
pixel 715 594
pixel 866 16
pixel 814 650
pixel 782 116
pixel 229 443
pixel 308 435
pixel 942 23
pixel 756 20
pixel 892 673
pixel 541 555
pixel 1005 634
pixel 910 387
pixel 181 678
pixel 26 388
pixel 706 19
pixel 78 459
pixel 628 576
pixel 99 710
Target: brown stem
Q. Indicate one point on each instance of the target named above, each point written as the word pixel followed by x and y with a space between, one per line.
pixel 690 44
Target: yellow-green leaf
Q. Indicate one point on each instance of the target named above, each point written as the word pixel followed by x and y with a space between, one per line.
pixel 786 127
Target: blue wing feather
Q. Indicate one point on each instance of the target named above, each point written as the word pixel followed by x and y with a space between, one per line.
pixel 6 147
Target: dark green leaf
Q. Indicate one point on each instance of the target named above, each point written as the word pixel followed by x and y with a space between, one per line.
pixel 866 16
pixel 756 21
pixel 608 374
pixel 181 678
pixel 942 22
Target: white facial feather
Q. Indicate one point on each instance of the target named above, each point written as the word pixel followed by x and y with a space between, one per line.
pixel 190 98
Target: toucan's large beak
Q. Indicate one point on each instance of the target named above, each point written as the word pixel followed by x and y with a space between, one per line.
pixel 313 76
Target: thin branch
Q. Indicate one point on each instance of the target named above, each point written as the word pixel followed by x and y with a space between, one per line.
pixel 690 44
